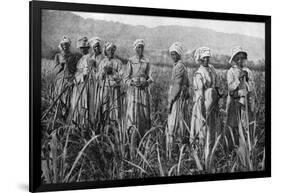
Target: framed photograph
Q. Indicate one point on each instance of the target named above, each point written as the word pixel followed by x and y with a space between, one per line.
pixel 127 96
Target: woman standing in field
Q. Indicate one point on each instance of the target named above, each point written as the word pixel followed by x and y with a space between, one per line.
pixel 177 99
pixel 96 54
pixel 138 79
pixel 241 96
pixel 66 61
pixel 81 89
pixel 205 121
pixel 94 88
pixel 110 76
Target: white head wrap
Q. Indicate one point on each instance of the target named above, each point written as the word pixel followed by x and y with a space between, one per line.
pixel 107 46
pixel 176 47
pixel 65 39
pixel 93 41
pixel 201 52
pixel 83 42
pixel 138 42
pixel 235 51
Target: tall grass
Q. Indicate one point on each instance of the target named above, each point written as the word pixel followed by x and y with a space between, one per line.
pixel 119 153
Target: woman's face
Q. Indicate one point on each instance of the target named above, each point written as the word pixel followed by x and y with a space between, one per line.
pixel 65 46
pixel 84 50
pixel 239 59
pixel 110 52
pixel 205 61
pixel 97 48
pixel 175 56
pixel 139 50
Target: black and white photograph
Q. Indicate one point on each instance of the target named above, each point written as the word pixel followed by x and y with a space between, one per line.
pixel 128 96
pixel 140 96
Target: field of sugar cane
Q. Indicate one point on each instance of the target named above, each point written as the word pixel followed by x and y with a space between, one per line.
pixel 70 156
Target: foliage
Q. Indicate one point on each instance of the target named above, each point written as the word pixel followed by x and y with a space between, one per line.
pixel 70 156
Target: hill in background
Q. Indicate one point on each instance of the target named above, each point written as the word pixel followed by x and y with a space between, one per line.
pixel 55 24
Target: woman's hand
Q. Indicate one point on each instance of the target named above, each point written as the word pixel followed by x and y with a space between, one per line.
pixel 144 84
pixel 242 92
pixel 244 74
pixel 116 78
pixel 108 70
pixel 137 84
pixel 102 75
pixel 131 83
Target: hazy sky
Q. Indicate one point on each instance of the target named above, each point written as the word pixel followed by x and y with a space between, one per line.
pixel 245 28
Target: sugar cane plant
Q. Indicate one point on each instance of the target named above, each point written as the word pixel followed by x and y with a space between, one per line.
pixel 112 151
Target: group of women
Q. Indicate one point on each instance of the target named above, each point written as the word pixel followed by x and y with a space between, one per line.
pixel 94 93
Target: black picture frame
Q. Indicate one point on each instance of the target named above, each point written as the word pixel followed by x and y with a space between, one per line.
pixel 35 8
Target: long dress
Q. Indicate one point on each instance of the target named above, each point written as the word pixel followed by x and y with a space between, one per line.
pixel 138 98
pixel 235 105
pixel 178 97
pixel 65 76
pixel 79 101
pixel 205 121
pixel 110 76
pixel 94 89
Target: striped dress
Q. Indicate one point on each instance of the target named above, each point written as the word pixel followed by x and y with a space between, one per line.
pixel 235 105
pixel 178 95
pixel 138 98
pixel 110 77
pixel 205 120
